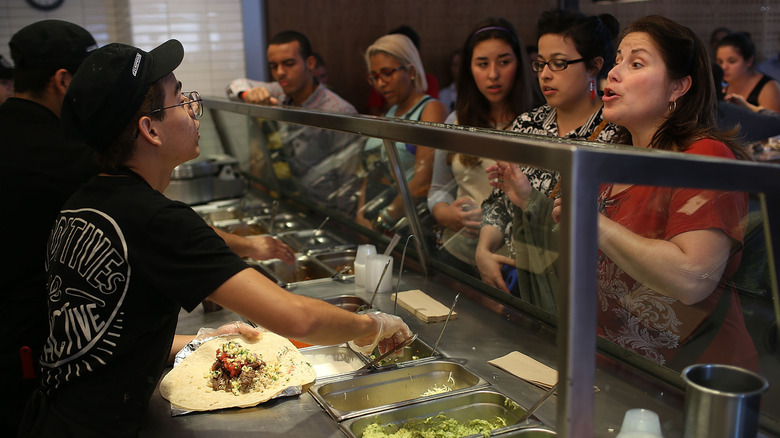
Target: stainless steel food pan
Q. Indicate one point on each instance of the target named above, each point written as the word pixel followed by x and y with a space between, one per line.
pixel 305 270
pixel 355 396
pixel 482 404
pixel 416 352
pixel 331 360
pixel 338 261
pixel 312 240
pixel 529 432
pixel 351 303
pixel 285 222
pixel 235 210
pixel 242 227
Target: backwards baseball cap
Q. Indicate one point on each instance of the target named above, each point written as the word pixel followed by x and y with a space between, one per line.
pixel 51 44
pixel 6 69
pixel 110 86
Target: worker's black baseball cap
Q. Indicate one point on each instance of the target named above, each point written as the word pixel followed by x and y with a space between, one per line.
pixel 110 86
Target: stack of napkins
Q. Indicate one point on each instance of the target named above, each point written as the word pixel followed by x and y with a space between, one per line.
pixel 527 369
pixel 423 306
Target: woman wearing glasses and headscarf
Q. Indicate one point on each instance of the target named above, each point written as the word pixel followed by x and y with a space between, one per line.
pixel 396 71
pixel 573 49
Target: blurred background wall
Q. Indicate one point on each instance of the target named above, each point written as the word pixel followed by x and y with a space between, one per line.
pixel 225 39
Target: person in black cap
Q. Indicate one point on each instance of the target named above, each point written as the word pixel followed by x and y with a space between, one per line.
pixel 40 169
pixel 6 80
pixel 123 259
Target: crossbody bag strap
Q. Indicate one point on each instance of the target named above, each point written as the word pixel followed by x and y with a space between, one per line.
pixel 593 136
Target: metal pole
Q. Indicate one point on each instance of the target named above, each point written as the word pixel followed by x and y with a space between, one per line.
pixel 403 190
pixel 577 312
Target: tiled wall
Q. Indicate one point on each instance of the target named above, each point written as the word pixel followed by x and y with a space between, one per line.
pixel 97 16
pixel 758 17
pixel 211 32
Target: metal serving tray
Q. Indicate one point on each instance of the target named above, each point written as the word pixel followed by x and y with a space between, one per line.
pixel 305 270
pixel 484 404
pixel 242 227
pixel 332 360
pixel 416 352
pixel 232 211
pixel 338 260
pixel 365 394
pixel 306 240
pixel 350 303
pixel 530 432
pixel 285 222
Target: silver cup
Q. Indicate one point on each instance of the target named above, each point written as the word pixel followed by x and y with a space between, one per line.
pixel 722 401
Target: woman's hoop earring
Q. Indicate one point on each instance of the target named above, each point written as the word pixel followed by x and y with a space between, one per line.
pixel 672 106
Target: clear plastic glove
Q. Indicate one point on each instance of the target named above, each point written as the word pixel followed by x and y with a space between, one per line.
pixel 231 328
pixel 392 331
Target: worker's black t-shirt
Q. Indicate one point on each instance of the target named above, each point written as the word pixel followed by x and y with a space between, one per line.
pixel 121 262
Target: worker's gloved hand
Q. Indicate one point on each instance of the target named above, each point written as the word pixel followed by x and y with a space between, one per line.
pixel 391 331
pixel 231 328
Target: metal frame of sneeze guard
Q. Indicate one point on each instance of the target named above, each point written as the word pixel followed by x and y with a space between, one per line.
pixel 583 166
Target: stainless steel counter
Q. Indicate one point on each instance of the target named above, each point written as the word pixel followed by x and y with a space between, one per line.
pixel 484 330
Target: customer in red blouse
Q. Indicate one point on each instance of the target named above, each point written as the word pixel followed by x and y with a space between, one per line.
pixel 666 254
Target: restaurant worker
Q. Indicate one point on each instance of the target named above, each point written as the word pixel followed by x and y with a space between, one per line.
pixel 41 167
pixel 122 258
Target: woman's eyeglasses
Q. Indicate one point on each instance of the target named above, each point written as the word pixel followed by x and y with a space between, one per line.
pixel 191 99
pixel 554 64
pixel 386 74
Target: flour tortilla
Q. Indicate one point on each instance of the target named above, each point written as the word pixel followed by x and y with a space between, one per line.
pixel 187 385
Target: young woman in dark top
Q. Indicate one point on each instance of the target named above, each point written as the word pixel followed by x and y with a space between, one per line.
pixel 736 55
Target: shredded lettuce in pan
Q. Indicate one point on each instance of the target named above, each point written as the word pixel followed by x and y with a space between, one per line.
pixel 435 427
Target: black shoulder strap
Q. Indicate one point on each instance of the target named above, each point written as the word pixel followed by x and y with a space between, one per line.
pixel 753 96
pixel 422 102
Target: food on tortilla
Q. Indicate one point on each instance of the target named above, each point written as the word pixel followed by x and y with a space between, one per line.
pixel 237 370
pixel 268 366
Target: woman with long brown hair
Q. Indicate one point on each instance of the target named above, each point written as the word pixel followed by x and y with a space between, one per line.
pixel 666 254
pixel 494 86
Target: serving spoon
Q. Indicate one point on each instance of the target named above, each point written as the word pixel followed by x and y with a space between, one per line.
pixel 436 345
pixel 313 239
pixel 538 403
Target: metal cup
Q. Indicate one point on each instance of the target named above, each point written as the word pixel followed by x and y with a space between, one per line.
pixel 722 401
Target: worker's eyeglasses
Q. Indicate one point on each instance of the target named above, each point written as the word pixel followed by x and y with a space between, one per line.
pixel 386 74
pixel 191 99
pixel 554 64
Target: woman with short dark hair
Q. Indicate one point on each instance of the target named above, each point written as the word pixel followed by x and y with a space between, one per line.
pixel 572 54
